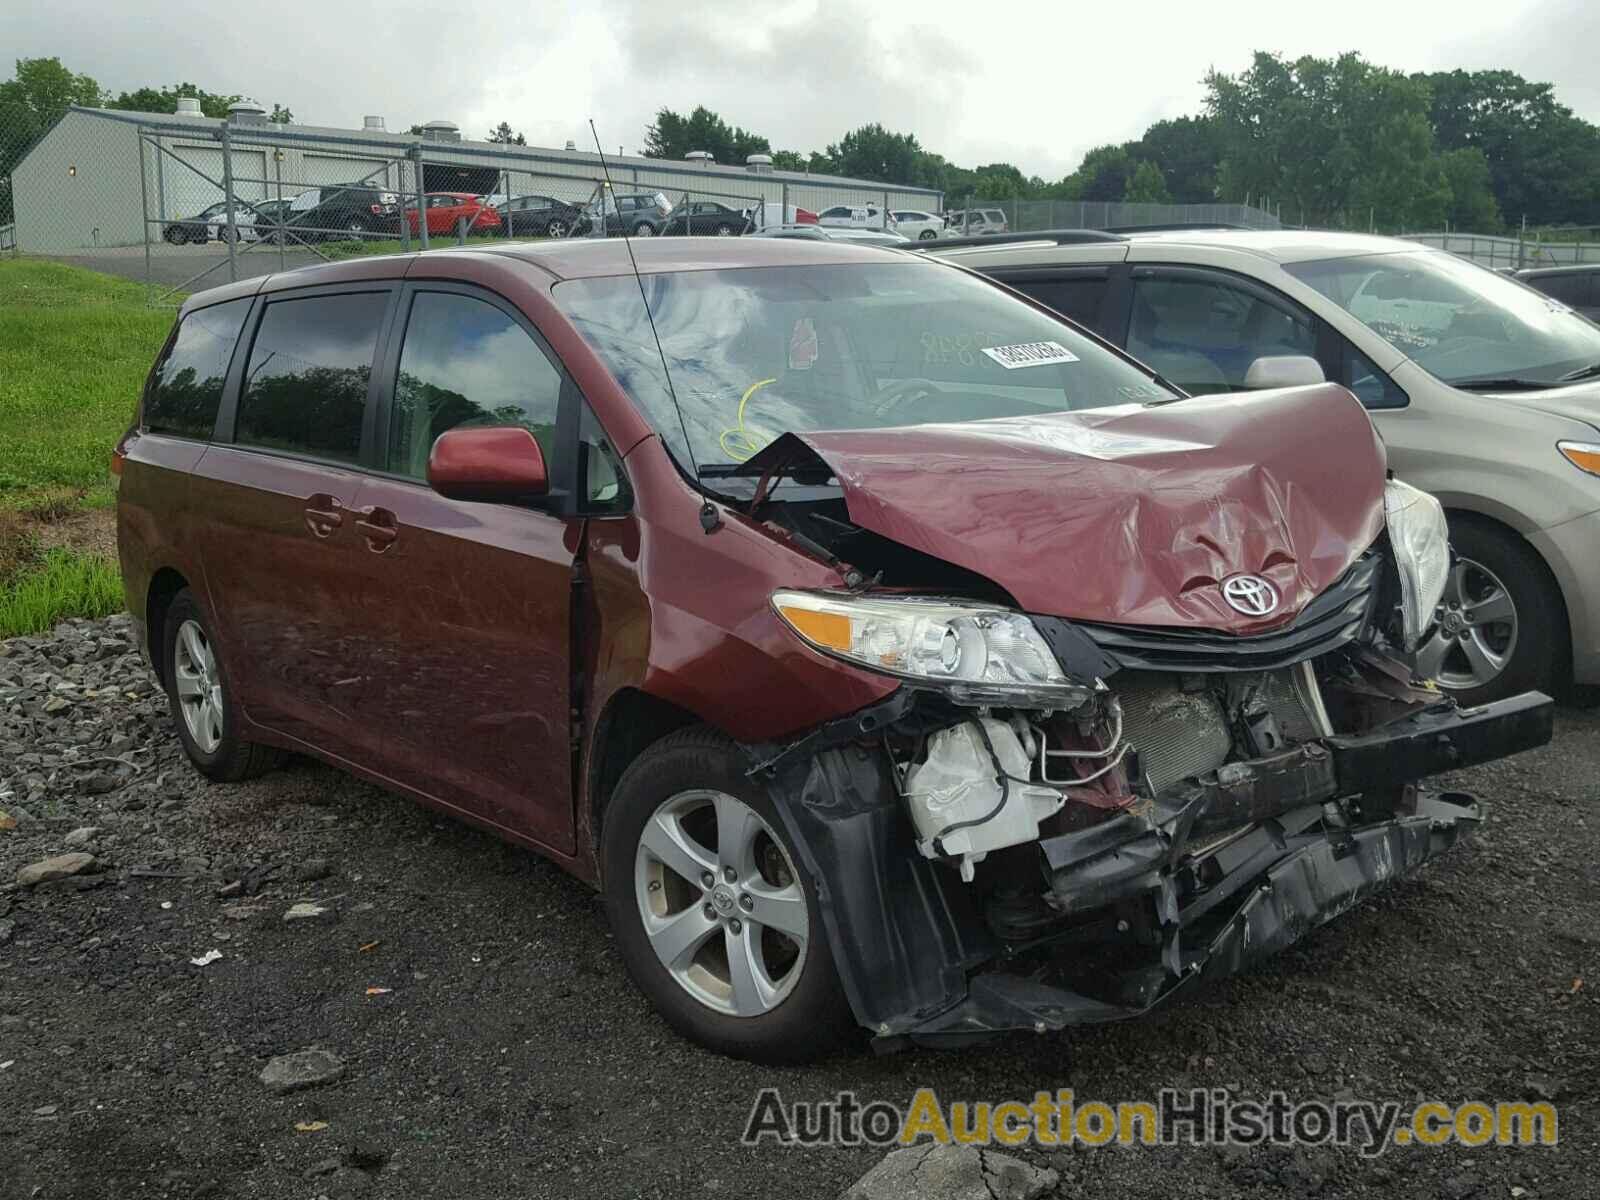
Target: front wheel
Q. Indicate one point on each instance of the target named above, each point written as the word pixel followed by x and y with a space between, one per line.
pixel 927 235
pixel 715 919
pixel 199 694
pixel 556 229
pixel 1500 624
pixel 724 230
pixel 644 229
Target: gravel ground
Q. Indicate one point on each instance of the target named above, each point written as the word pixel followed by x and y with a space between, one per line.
pixel 511 1057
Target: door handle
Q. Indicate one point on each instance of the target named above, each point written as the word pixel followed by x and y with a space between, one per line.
pixel 324 514
pixel 379 526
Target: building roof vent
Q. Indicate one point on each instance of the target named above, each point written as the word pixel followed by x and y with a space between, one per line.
pixel 758 164
pixel 373 124
pixel 571 145
pixel 247 112
pixel 188 106
pixel 703 157
pixel 442 131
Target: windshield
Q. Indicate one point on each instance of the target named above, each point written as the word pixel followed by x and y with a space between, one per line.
pixel 1458 321
pixel 757 352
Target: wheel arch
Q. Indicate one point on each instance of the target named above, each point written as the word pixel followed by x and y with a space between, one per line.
pixel 632 721
pixel 165 584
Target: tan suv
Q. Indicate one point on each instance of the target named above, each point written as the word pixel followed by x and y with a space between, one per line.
pixel 1487 393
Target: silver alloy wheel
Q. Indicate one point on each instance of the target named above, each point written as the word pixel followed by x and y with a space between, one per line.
pixel 199 687
pixel 556 229
pixel 722 905
pixel 1476 633
pixel 644 231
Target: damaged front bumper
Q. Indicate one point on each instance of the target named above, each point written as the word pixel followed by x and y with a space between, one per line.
pixel 1229 869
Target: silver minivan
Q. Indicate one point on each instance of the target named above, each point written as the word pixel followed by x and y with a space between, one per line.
pixel 1486 392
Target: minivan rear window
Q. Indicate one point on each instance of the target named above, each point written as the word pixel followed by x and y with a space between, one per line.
pixel 306 387
pixel 187 388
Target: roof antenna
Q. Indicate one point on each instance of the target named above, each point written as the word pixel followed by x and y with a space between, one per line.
pixel 710 520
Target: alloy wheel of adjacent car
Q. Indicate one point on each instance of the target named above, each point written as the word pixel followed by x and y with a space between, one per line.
pixel 556 229
pixel 355 227
pixel 644 229
pixel 714 916
pixel 724 230
pixel 1476 632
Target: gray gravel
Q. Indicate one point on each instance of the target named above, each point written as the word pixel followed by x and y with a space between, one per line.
pixel 490 1044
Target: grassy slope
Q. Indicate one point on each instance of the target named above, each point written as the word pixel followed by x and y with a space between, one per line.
pixel 74 350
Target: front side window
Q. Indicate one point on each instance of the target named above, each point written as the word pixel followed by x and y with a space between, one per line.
pixel 305 390
pixel 1372 387
pixel 187 387
pixel 1460 322
pixel 465 362
pixel 756 352
pixel 1203 334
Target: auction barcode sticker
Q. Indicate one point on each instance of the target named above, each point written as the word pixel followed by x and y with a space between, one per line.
pixel 1030 354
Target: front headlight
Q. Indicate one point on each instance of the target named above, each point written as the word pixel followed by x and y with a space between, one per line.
pixel 976 655
pixel 1421 541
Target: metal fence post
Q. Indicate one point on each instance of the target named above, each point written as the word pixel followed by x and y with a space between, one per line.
pixel 227 199
pixel 783 212
pixel 885 218
pixel 282 233
pixel 422 213
pixel 144 210
pixel 161 182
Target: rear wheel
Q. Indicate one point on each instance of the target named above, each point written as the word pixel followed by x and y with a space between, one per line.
pixel 644 229
pixel 199 695
pixel 556 228
pixel 1501 624
pixel 714 917
pixel 724 230
pixel 927 235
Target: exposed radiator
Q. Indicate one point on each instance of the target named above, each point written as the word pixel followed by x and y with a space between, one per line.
pixel 1182 733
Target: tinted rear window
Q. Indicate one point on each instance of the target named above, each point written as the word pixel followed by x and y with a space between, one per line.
pixel 187 387
pixel 306 388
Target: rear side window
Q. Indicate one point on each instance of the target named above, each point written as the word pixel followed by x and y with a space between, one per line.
pixel 187 388
pixel 1075 296
pixel 465 362
pixel 1569 289
pixel 306 387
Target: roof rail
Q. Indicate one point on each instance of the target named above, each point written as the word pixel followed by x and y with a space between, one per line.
pixel 1060 237
pixel 1170 226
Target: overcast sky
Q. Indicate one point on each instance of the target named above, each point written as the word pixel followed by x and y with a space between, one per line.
pixel 1032 82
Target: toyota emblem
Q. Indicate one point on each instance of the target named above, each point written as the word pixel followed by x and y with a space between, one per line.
pixel 1250 594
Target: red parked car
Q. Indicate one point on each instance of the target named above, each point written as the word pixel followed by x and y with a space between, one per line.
pixel 892 652
pixel 446 211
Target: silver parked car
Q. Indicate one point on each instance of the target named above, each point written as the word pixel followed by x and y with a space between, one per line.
pixel 1486 392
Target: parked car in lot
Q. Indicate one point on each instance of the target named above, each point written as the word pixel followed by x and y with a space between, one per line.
pixel 845 680
pixel 269 217
pixel 343 210
pixel 211 224
pixel 638 215
pixel 916 224
pixel 450 212
pixel 976 222
pixel 1487 395
pixel 855 216
pixel 771 212
pixel 542 216
pixel 1578 287
pixel 706 218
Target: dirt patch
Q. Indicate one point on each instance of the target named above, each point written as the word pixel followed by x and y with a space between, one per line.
pixel 88 531
pixel 506 1054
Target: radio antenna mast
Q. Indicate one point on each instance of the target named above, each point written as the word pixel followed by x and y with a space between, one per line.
pixel 709 520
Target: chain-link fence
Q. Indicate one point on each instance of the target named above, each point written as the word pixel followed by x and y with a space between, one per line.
pixel 976 217
pixel 1537 249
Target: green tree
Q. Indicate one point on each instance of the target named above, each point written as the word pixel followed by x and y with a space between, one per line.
pixel 502 133
pixel 1472 203
pixel 789 160
pixel 1103 175
pixel 1146 185
pixel 1188 150
pixel 165 100
pixel 281 115
pixel 674 136
pixel 33 100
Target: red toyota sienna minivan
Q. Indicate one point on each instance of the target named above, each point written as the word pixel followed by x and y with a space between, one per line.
pixel 892 652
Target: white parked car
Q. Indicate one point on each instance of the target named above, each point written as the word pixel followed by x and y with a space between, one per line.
pixel 856 216
pixel 916 224
pixel 976 222
pixel 770 212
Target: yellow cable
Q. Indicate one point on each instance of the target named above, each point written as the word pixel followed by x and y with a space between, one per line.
pixel 747 446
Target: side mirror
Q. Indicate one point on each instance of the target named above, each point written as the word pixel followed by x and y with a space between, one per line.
pixel 1283 370
pixel 494 465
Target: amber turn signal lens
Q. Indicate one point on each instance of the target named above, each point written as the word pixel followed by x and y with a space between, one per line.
pixel 1583 455
pixel 823 628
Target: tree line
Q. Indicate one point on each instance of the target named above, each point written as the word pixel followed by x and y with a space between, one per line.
pixel 1336 142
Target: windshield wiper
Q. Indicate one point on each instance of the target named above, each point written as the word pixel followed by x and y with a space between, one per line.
pixel 1589 372
pixel 1510 384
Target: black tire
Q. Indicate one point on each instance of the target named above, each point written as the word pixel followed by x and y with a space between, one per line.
pixel 556 227
pixel 927 235
pixel 233 759
pixel 355 227
pixel 814 1019
pixel 1539 657
pixel 644 229
pixel 174 235
pixel 723 229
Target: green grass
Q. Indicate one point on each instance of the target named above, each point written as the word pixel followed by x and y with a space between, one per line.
pixel 63 584
pixel 75 347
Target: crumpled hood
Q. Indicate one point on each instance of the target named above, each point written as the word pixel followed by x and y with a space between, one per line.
pixel 1126 515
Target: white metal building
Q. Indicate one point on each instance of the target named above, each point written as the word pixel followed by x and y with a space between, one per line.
pixel 80 186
